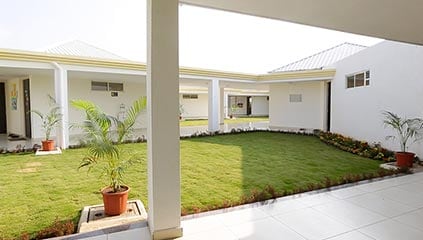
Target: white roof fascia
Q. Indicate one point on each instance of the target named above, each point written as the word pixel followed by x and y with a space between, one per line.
pixel 79 68
pixel 298 80
pixel 25 64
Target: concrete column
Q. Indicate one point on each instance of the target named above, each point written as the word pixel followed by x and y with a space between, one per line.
pixel 164 195
pixel 222 106
pixel 214 105
pixel 226 105
pixel 61 96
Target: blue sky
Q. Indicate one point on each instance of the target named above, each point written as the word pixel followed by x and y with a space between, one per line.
pixel 208 38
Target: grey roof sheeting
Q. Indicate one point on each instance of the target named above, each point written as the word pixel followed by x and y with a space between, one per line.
pixel 82 49
pixel 322 59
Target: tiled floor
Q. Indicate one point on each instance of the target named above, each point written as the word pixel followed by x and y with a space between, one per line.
pixel 381 210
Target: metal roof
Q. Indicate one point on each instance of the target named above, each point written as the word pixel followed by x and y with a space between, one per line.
pixel 82 49
pixel 322 59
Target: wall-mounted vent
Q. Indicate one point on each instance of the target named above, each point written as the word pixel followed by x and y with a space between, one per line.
pixel 295 98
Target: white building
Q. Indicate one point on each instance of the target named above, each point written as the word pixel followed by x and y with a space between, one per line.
pixel 304 103
pixel 388 77
pixel 77 70
pixel 367 81
pixel 312 93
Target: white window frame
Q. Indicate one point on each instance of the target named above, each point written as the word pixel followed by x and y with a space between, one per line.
pixel 354 75
pixel 107 86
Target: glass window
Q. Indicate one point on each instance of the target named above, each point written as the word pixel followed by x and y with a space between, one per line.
pixel 367 74
pixel 99 86
pixel 359 80
pixel 116 87
pixel 190 96
pixel 350 82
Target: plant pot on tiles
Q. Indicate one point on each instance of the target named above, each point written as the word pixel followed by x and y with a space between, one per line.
pixel 49 121
pixel 407 130
pixel 104 150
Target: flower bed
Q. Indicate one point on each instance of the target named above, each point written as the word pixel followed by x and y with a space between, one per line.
pixel 361 148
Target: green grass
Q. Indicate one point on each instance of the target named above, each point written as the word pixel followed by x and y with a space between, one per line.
pixel 202 122
pixel 213 169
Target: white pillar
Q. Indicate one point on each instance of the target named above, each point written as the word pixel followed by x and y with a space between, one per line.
pixel 226 105
pixel 61 96
pixel 164 195
pixel 214 99
pixel 222 106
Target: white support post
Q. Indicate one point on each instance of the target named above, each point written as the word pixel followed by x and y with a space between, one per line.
pixel 61 96
pixel 164 195
pixel 222 107
pixel 214 99
pixel 226 105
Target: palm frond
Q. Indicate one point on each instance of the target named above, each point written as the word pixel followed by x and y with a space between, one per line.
pixel 97 127
pixel 405 128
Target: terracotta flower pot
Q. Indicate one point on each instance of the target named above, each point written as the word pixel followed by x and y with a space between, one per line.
pixel 115 203
pixel 48 145
pixel 404 159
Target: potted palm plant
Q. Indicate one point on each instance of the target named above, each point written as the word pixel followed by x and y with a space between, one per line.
pixel 406 129
pixel 49 121
pixel 104 134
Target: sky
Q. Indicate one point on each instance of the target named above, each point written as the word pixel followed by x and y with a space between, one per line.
pixel 209 39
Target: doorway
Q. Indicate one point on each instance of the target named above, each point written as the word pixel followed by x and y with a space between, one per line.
pixel 249 101
pixel 3 123
pixel 27 108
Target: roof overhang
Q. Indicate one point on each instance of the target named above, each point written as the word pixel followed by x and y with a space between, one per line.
pixel 298 76
pixel 387 19
pixel 84 64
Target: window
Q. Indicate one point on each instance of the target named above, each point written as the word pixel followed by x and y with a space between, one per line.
pixel 116 87
pixel 190 96
pixel 99 86
pixel 295 98
pixel 358 80
pixel 106 86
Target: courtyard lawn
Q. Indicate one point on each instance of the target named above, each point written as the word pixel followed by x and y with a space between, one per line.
pixel 203 122
pixel 35 190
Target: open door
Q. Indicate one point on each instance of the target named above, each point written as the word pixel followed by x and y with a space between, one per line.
pixel 249 101
pixel 3 124
pixel 27 108
pixel 328 108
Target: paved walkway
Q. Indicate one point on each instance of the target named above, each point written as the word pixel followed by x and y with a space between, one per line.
pixel 381 210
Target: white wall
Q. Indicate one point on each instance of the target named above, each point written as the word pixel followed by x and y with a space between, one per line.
pixel 260 106
pixel 307 114
pixel 81 89
pixel 195 108
pixel 41 86
pixel 396 84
